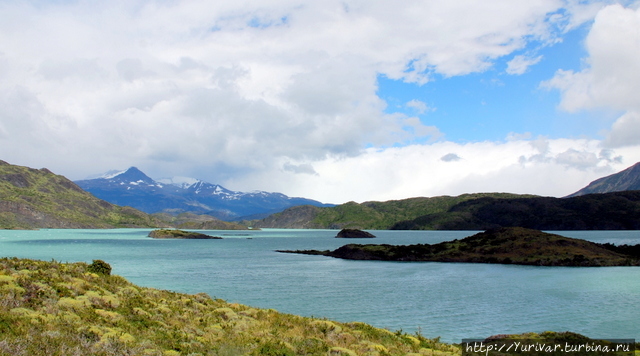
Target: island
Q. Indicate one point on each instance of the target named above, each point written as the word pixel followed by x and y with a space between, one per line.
pixel 511 245
pixel 180 234
pixel 354 234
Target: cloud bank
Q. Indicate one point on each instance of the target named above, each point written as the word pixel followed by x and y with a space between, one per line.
pixel 281 96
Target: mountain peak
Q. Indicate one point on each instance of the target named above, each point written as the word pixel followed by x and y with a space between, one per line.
pixel 134 188
pixel 132 174
pixel 182 182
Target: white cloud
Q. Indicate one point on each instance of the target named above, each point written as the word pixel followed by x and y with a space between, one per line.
pixel 625 131
pixel 612 77
pixel 227 91
pixel 542 166
pixel 419 106
pixel 519 64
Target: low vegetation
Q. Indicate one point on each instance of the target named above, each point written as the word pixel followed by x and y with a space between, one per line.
pixel 197 222
pixel 609 211
pixel 180 234
pixel 505 245
pixel 37 198
pixel 369 215
pixel 482 211
pixel 52 308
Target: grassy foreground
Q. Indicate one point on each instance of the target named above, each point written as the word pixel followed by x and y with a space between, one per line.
pixel 52 308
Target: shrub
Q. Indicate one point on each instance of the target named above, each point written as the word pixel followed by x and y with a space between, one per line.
pixel 274 348
pixel 100 267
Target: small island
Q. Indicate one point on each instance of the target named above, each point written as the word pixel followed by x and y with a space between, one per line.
pixel 180 234
pixel 354 234
pixel 512 245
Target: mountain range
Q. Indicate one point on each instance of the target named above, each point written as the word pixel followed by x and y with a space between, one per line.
pixel 134 188
pixel 38 198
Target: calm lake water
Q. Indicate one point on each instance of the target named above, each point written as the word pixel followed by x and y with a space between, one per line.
pixel 450 300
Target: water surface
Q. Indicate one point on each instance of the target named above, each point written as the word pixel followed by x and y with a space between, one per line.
pixel 451 300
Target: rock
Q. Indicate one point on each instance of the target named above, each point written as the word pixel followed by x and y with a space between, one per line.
pixel 354 234
pixel 179 234
pixel 512 245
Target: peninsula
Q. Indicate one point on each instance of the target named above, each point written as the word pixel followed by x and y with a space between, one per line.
pixel 513 245
pixel 180 234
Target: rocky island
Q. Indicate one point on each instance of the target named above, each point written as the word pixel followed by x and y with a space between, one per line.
pixel 513 245
pixel 180 234
pixel 354 234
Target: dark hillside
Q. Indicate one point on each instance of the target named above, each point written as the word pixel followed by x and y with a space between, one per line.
pixel 610 211
pixel 368 215
pixel 629 179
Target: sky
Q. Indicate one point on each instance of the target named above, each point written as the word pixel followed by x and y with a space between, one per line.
pixel 330 100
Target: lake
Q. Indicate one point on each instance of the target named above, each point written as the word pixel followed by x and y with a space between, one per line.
pixel 450 300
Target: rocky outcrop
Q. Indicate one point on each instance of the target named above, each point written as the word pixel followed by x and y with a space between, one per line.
pixel 180 234
pixel 354 234
pixel 505 246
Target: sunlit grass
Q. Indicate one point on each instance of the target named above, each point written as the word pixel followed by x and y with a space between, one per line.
pixel 52 308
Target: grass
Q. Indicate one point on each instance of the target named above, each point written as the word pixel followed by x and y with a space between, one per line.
pixel 52 308
pixel 36 198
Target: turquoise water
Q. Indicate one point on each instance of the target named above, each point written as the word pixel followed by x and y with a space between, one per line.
pixel 450 300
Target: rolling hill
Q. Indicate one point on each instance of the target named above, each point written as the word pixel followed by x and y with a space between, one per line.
pixel 37 198
pixel 610 211
pixel 368 215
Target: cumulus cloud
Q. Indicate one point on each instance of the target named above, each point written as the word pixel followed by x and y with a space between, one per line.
pixel 519 64
pixel 299 168
pixel 549 167
pixel 611 78
pixel 419 106
pixel 625 131
pixel 450 157
pixel 228 91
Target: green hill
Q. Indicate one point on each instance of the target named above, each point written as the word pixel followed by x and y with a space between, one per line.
pixel 610 211
pixel 197 222
pixel 51 308
pixel 37 198
pixel 368 215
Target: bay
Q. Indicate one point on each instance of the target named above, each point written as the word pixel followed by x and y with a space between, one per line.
pixel 450 300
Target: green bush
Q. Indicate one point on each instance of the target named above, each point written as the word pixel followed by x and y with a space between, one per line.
pixel 100 267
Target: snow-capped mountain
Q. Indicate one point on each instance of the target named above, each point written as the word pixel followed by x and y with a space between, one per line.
pixel 183 194
pixel 182 182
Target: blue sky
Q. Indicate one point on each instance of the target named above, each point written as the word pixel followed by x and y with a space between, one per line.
pixel 493 104
pixel 333 100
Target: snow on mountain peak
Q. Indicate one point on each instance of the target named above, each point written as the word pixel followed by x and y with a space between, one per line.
pixel 182 182
pixel 107 175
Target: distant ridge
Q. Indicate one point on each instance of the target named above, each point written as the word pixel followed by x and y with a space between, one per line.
pixel 177 195
pixel 480 211
pixel 629 179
